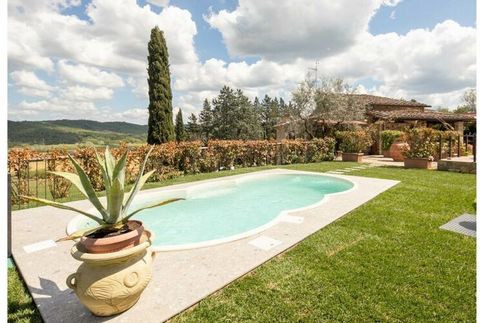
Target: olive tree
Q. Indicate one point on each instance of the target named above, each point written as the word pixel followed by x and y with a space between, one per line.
pixel 324 109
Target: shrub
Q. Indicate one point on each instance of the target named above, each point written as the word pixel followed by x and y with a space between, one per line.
pixel 320 150
pixel 354 141
pixel 19 168
pixel 58 186
pixel 88 160
pixel 388 138
pixel 422 142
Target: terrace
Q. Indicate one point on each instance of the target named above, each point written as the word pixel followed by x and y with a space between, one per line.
pixel 387 258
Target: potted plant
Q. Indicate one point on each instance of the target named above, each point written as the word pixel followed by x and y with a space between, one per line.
pixel 353 143
pixel 421 143
pixel 115 253
pixel 389 149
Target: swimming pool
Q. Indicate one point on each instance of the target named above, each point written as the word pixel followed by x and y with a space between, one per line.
pixel 228 209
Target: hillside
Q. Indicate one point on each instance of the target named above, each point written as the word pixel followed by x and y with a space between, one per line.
pixel 55 132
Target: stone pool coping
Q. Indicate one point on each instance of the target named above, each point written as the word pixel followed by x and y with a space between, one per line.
pixel 181 278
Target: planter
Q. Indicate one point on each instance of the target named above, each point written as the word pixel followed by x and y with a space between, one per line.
pixel 115 242
pixel 397 150
pixel 424 163
pixel 386 154
pixel 353 157
pixel 111 283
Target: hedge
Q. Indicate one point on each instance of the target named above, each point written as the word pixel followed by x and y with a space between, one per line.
pixel 170 159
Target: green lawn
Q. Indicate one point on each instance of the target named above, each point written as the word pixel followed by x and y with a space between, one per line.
pixel 385 261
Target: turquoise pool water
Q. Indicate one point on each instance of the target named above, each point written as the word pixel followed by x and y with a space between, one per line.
pixel 227 208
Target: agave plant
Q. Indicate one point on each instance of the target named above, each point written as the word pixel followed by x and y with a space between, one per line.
pixel 115 215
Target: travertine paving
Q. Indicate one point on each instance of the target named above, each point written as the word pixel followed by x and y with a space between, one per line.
pixel 181 278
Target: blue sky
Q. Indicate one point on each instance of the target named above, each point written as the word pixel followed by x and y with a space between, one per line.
pixel 93 67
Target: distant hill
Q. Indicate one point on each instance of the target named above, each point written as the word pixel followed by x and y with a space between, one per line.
pixel 56 132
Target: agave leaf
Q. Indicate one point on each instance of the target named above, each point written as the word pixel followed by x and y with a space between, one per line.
pixel 81 233
pixel 119 170
pixel 109 163
pixel 136 187
pixel 115 200
pixel 125 219
pixel 73 178
pixel 87 185
pixel 62 206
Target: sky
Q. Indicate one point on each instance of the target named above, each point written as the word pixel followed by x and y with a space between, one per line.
pixel 76 59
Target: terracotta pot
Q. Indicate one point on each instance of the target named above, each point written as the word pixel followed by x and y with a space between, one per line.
pixel 111 283
pixel 115 243
pixel 397 150
pixel 386 154
pixel 424 163
pixel 353 157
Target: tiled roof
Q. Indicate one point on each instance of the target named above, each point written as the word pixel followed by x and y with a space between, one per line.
pixel 381 100
pixel 424 116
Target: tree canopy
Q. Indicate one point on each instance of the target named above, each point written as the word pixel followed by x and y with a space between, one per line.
pixel 324 109
pixel 469 102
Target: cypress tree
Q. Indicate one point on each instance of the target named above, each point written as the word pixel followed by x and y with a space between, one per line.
pixel 206 120
pixel 179 127
pixel 160 115
pixel 193 128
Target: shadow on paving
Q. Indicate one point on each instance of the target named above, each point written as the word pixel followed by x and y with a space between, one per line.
pixel 63 302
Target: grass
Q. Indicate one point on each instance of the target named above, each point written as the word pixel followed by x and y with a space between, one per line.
pixel 20 303
pixel 385 261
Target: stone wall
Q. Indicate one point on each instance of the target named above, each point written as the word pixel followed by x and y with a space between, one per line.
pixel 457 166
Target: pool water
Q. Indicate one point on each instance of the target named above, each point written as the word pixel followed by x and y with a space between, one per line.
pixel 228 208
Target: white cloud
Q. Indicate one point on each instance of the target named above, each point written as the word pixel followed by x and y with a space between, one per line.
pixel 81 93
pixel 94 57
pixel 58 105
pixel 96 52
pixel 29 79
pixel 285 30
pixel 116 37
pixel 88 75
pixel 29 84
pixel 34 92
pixel 139 86
pixel 134 115
pixel 419 63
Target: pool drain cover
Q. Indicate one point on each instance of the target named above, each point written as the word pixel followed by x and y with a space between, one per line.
pixel 465 224
pixel 265 243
